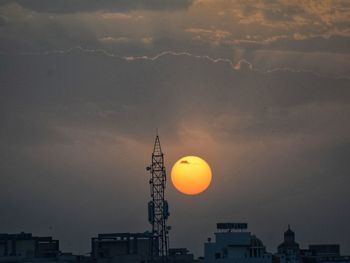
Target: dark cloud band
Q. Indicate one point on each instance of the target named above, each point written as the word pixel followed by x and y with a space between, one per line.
pixel 74 6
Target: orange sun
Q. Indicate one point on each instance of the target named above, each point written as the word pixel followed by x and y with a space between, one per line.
pixel 191 175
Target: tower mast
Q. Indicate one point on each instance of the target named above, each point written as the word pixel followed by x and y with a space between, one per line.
pixel 158 209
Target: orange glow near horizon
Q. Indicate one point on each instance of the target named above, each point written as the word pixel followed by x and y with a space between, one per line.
pixel 191 175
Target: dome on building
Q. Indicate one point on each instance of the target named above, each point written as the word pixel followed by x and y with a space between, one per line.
pixel 257 248
pixel 256 242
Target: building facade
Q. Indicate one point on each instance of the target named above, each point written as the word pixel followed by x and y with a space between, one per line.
pixel 323 253
pixel 27 246
pixel 235 246
pixel 180 255
pixel 122 247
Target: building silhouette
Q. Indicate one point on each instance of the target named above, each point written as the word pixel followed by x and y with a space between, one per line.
pixel 122 247
pixel 323 253
pixel 288 250
pixel 233 244
pixel 26 246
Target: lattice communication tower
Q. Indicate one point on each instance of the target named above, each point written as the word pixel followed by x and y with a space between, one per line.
pixel 158 209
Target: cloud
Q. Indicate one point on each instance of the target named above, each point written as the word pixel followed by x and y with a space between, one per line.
pixel 266 19
pixel 113 40
pixel 74 6
pixel 87 118
pixel 147 40
pixel 116 16
pixel 299 42
pixel 243 65
pixel 299 88
pixel 259 89
pixel 215 36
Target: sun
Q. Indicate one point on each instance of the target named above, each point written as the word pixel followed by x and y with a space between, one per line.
pixel 191 175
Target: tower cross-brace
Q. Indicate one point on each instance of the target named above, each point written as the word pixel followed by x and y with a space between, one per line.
pixel 158 210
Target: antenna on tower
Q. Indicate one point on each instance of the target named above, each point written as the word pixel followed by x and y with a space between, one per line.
pixel 158 208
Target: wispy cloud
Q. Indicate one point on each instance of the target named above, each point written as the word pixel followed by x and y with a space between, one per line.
pixel 241 64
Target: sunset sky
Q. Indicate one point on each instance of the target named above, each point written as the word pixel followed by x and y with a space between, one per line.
pixel 259 89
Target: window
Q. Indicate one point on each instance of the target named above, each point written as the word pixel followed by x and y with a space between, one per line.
pixel 217 255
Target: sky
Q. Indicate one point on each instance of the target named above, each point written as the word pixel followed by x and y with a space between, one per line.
pixel 259 89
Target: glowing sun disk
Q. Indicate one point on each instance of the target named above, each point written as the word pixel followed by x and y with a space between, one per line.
pixel 191 175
